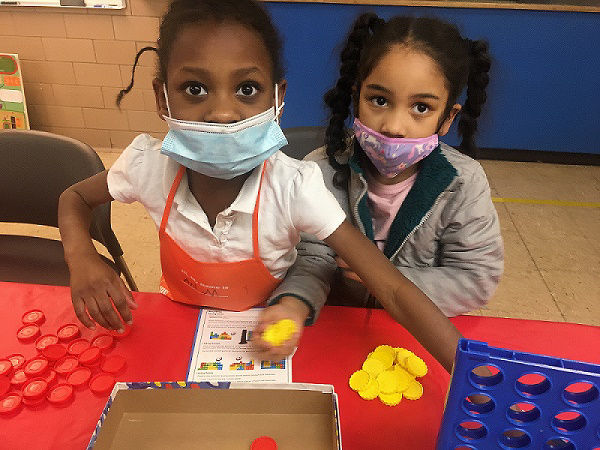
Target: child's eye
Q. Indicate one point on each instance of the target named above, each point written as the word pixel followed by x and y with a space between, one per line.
pixel 195 90
pixel 421 108
pixel 247 90
pixel 379 101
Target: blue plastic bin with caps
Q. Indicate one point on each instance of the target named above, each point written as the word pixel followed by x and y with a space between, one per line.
pixel 503 399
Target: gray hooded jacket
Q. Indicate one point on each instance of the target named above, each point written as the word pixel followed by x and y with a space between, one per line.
pixel 445 238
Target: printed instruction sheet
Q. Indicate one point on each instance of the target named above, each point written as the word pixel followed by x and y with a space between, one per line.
pixel 223 350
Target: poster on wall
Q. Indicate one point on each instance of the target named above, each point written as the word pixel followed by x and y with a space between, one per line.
pixel 13 110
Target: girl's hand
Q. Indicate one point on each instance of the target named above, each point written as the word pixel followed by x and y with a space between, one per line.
pixel 98 293
pixel 287 308
pixel 348 273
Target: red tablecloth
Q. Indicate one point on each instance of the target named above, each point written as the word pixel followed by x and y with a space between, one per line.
pixel 158 348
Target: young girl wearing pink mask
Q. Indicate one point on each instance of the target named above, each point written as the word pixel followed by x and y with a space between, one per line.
pixel 426 205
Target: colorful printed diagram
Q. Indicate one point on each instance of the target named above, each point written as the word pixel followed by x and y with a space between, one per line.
pixel 242 365
pixel 211 366
pixel 224 336
pixel 272 364
pixel 13 111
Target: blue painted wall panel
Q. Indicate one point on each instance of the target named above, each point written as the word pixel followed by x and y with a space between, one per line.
pixel 544 92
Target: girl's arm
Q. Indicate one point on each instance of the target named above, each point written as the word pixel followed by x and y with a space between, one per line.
pixel 402 299
pixel 93 282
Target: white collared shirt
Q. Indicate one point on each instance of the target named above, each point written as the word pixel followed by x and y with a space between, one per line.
pixel 293 199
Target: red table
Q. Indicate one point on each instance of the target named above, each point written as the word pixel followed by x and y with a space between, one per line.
pixel 159 345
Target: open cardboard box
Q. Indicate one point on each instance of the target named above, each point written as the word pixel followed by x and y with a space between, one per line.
pixel 223 416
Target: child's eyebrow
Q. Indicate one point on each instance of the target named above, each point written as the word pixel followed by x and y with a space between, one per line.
pixel 378 87
pixel 245 71
pixel 421 96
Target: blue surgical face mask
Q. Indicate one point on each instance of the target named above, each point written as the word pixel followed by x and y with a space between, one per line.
pixel 221 150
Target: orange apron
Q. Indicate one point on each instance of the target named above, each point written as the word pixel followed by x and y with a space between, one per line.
pixel 234 286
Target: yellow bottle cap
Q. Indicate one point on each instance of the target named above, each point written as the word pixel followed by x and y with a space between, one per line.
pixel 371 391
pixel 387 349
pixel 279 332
pixel 384 357
pixel 401 355
pixel 416 366
pixel 390 399
pixel 399 368
pixel 359 380
pixel 414 391
pixel 388 382
pixel 403 380
pixel 373 366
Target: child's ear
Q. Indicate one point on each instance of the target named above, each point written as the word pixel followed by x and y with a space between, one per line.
pixel 159 96
pixel 281 90
pixel 451 116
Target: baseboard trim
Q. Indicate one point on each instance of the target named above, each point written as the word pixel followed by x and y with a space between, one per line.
pixel 507 154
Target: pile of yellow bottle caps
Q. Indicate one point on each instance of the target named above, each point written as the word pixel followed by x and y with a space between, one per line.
pixel 279 332
pixel 390 373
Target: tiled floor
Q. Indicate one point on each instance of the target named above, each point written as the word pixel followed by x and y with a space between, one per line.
pixel 552 267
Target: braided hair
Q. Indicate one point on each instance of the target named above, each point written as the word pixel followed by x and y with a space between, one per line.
pixel 248 13
pixel 463 63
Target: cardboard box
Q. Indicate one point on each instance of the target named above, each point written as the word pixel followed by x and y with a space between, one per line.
pixel 184 415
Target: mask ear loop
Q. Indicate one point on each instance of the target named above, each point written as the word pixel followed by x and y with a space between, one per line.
pixel 167 100
pixel 278 108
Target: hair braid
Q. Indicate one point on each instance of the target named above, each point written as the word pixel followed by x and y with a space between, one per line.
pixel 476 96
pixel 122 92
pixel 339 98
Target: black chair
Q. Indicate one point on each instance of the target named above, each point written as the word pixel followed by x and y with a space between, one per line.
pixel 303 140
pixel 36 167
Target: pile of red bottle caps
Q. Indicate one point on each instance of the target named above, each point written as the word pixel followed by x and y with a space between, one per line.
pixel 64 364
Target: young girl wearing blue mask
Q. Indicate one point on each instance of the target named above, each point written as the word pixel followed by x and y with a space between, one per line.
pixel 228 205
pixel 426 205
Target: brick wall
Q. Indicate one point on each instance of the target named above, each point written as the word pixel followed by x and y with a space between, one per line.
pixel 74 61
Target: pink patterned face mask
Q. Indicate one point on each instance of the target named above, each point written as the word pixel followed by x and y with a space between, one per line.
pixel 392 155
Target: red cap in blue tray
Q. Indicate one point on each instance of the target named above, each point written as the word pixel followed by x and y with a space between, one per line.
pixel 44 341
pixel 102 383
pixel 36 367
pixel 61 394
pixel 18 378
pixel 68 332
pixel 28 333
pixel 79 377
pixel 35 390
pixel 126 331
pixel 11 404
pixel 35 316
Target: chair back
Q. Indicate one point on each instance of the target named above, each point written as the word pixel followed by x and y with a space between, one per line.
pixel 303 140
pixel 36 168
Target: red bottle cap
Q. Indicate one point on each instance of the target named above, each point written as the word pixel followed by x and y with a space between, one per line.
pixel 18 378
pixel 114 364
pixel 54 352
pixel 5 385
pixel 33 403
pixel 60 395
pixel 90 356
pixel 126 331
pixel 46 340
pixel 36 367
pixel 77 347
pixel 50 376
pixel 35 389
pixel 66 365
pixel 103 341
pixel 68 332
pixel 6 367
pixel 28 333
pixel 17 360
pixel 263 443
pixel 10 404
pixel 102 383
pixel 35 316
pixel 79 377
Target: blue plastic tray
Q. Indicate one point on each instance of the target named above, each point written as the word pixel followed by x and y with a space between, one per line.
pixel 502 399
